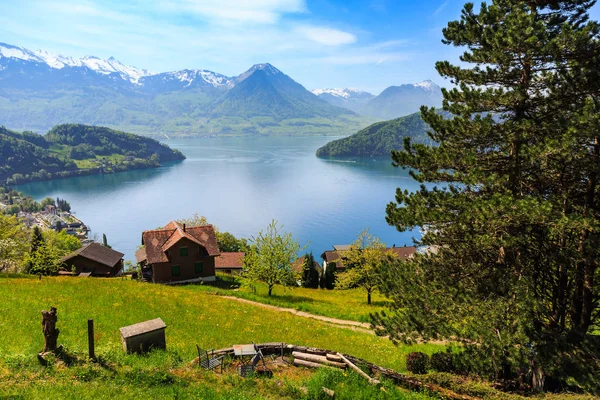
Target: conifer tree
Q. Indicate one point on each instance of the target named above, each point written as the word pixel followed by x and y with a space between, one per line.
pixel 513 223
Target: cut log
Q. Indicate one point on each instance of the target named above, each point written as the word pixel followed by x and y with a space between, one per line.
pixel 328 392
pixel 334 357
pixel 309 364
pixel 359 371
pixel 318 359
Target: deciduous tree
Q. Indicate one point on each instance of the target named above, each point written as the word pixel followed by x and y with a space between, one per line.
pixel 270 257
pixel 364 262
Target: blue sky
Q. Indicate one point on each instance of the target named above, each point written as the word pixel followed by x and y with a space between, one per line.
pixel 368 44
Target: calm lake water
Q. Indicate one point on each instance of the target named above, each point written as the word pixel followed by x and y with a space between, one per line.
pixel 240 185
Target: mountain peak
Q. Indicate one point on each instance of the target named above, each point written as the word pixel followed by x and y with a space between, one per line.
pixel 266 67
pixel 427 85
pixel 344 93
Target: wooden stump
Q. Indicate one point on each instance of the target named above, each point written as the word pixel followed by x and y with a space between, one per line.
pixel 49 329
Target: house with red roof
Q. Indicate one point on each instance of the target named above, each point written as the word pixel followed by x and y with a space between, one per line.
pixel 230 262
pixel 177 254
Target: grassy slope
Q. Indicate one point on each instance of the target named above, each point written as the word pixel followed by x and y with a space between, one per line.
pixel 343 304
pixel 191 316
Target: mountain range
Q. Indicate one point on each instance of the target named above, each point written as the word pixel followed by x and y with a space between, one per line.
pixel 393 102
pixel 40 89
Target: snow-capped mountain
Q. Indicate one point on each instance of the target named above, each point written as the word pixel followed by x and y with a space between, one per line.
pixel 57 61
pixel 186 79
pixel 427 85
pixel 39 89
pixel 350 98
pixel 344 93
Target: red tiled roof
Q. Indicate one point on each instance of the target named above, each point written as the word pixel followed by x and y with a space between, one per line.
pixel 140 255
pixel 298 265
pixel 230 260
pixel 403 252
pixel 98 253
pixel 330 255
pixel 158 241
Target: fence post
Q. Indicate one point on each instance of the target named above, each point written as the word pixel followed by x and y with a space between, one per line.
pixel 91 338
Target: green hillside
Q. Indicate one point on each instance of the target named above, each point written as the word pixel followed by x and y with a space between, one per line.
pixel 69 150
pixel 379 139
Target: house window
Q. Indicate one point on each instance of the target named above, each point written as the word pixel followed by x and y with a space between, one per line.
pixel 198 267
pixel 175 270
pixel 183 252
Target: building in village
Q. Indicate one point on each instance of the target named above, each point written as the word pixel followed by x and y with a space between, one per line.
pixel 230 262
pixel 93 259
pixel 336 256
pixel 176 254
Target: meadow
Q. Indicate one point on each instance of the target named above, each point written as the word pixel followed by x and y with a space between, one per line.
pixel 192 317
pixel 348 304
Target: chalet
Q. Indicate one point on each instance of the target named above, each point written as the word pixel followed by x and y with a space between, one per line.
pixel 336 256
pixel 93 259
pixel 176 254
pixel 298 265
pixel 230 262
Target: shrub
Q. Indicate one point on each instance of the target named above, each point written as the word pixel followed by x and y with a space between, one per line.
pixel 417 362
pixel 442 361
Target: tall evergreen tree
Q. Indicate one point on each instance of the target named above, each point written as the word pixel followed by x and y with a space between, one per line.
pixel 310 274
pixel 513 225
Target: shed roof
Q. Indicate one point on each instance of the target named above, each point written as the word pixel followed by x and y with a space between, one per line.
pixel 142 327
pixel 158 241
pixel 229 260
pixel 98 253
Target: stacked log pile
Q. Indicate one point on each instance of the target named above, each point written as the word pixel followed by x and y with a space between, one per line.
pixel 284 349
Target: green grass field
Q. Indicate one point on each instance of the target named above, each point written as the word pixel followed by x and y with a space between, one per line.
pixel 192 316
pixel 343 304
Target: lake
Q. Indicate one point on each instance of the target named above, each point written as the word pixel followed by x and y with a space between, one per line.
pixel 240 185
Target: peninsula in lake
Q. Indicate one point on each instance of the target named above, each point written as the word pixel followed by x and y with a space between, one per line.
pixel 379 139
pixel 73 150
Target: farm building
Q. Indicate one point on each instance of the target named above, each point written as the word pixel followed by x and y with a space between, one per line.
pixel 93 259
pixel 176 254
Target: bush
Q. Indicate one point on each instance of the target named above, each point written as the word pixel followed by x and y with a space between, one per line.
pixel 442 361
pixel 417 362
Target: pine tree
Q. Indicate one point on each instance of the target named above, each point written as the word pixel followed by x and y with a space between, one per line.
pixel 513 225
pixel 310 275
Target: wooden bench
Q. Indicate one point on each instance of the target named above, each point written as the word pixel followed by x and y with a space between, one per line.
pixel 207 361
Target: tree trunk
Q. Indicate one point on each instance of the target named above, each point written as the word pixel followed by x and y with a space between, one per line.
pixel 49 329
pixel 270 290
pixel 368 297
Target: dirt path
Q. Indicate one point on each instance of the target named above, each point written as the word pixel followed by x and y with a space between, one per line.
pixel 344 323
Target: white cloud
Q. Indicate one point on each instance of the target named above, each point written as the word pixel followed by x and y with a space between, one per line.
pixel 326 36
pixel 255 11
pixel 440 8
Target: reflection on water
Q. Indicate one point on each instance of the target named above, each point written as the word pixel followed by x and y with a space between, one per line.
pixel 240 184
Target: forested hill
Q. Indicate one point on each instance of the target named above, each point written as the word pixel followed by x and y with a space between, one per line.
pixel 20 155
pixel 69 150
pixel 378 139
pixel 103 141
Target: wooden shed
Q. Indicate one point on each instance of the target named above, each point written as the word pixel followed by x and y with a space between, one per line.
pixel 141 337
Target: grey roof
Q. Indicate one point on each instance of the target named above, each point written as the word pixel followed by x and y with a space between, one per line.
pixel 142 327
pixel 341 247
